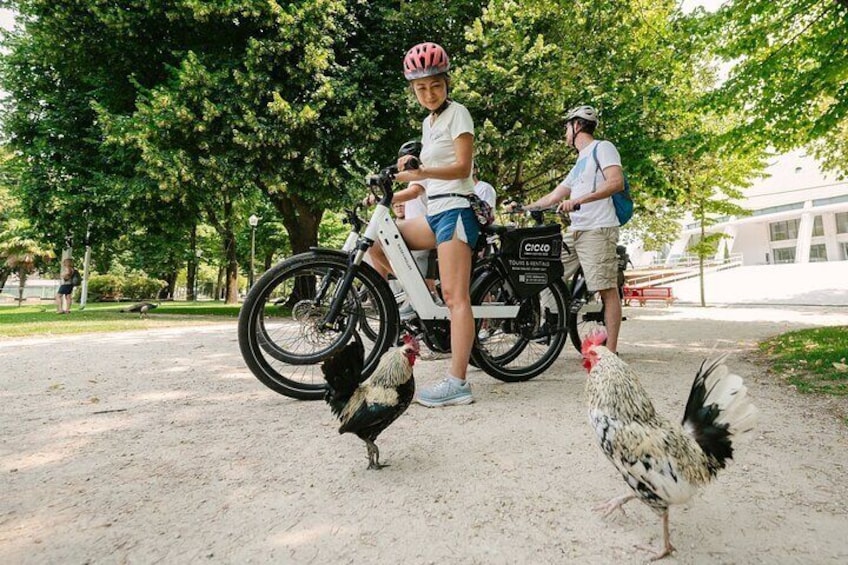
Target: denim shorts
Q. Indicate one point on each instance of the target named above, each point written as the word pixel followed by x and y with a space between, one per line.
pixel 459 221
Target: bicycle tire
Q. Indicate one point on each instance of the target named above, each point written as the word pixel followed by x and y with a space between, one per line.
pixel 589 316
pixel 520 337
pixel 278 315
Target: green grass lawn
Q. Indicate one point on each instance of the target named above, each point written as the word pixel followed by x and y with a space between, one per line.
pixel 42 319
pixel 814 360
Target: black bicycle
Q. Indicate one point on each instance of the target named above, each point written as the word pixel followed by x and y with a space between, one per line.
pixel 586 310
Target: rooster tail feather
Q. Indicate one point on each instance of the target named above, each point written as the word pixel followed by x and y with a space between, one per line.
pixel 718 411
pixel 343 372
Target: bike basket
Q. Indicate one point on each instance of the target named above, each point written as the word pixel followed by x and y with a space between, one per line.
pixel 532 257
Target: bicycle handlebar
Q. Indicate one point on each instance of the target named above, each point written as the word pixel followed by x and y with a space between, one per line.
pixel 384 179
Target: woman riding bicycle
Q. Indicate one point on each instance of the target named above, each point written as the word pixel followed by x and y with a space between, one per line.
pixel 450 225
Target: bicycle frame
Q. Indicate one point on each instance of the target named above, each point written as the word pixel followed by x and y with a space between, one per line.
pixel 382 228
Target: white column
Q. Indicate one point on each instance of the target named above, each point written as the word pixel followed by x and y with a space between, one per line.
pixel 830 243
pixel 805 234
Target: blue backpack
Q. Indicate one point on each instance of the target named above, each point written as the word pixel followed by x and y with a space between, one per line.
pixel 622 200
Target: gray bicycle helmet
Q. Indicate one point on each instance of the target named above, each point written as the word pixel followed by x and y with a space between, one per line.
pixel 583 112
pixel 412 147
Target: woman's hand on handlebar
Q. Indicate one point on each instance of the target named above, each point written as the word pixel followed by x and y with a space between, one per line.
pixel 409 168
pixel 369 200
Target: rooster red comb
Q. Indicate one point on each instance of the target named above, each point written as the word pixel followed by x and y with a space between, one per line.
pixel 597 336
pixel 409 339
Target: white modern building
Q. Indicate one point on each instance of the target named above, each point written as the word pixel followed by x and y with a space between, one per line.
pixel 798 215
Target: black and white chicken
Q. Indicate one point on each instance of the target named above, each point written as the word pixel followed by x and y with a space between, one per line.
pixel 663 462
pixel 367 408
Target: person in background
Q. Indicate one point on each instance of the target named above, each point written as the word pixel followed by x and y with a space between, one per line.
pixel 586 194
pixel 69 277
pixel 484 190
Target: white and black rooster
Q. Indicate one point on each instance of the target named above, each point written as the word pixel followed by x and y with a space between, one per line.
pixel 663 462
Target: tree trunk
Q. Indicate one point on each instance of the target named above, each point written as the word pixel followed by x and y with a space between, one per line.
pixel 191 268
pixel 701 264
pixel 219 283
pixel 4 276
pixel 22 277
pixel 301 221
pixel 232 269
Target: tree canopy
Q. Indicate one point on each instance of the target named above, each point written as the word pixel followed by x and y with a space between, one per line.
pixel 789 77
pixel 143 120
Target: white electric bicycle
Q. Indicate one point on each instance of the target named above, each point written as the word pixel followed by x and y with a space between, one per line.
pixel 307 307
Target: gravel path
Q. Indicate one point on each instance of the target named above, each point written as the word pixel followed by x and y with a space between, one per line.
pixel 160 447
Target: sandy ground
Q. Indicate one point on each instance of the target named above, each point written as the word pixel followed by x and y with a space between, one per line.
pixel 160 447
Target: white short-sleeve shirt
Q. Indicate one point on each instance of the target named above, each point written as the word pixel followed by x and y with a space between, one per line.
pixel 583 177
pixel 417 206
pixel 486 192
pixel 438 151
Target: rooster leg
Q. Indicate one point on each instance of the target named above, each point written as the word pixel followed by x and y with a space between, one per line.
pixel 373 455
pixel 668 549
pixel 618 502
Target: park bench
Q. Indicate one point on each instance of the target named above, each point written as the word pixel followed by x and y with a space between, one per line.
pixel 646 294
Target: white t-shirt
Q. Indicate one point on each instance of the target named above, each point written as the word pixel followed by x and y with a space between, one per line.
pixel 438 151
pixel 486 192
pixel 583 177
pixel 418 205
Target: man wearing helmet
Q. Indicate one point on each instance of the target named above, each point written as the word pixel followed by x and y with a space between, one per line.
pixel 586 193
pixel 450 225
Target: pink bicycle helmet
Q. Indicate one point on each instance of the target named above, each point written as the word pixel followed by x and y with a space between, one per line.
pixel 425 60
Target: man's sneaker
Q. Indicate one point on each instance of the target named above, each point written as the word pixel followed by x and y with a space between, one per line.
pixel 447 392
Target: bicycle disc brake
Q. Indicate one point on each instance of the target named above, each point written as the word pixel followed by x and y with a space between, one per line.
pixel 527 320
pixel 437 335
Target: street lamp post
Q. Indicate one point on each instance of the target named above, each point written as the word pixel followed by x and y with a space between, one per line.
pixel 198 254
pixel 253 220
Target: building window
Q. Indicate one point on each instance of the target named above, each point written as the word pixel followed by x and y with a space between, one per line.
pixel 844 247
pixel 818 253
pixel 781 231
pixel 784 255
pixel 818 227
pixel 842 222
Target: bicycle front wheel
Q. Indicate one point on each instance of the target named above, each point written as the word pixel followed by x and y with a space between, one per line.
pixel 281 333
pixel 524 347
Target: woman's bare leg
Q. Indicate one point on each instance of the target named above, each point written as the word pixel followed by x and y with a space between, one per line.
pixel 455 276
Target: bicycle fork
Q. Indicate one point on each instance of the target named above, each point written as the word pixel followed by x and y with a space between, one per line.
pixel 335 308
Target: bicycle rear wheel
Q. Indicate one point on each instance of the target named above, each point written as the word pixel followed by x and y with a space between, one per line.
pixel 585 312
pixel 519 349
pixel 280 325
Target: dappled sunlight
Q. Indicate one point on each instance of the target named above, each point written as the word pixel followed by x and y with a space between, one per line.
pixel 161 396
pixel 796 315
pixel 296 537
pixel 175 369
pixel 51 454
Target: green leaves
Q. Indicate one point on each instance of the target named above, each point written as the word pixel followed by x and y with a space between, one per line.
pixel 789 77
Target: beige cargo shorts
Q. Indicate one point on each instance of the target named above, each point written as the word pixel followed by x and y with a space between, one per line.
pixel 594 250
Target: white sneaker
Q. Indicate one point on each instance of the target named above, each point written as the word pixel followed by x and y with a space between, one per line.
pixel 447 392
